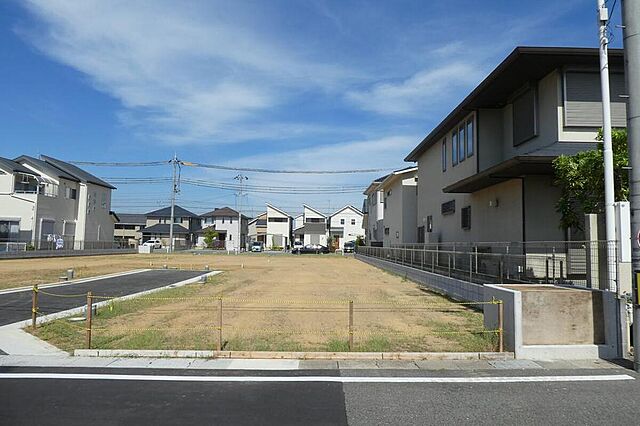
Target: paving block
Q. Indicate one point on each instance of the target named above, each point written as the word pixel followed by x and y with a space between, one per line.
pixel 349 364
pixel 313 364
pixel 473 365
pixel 436 364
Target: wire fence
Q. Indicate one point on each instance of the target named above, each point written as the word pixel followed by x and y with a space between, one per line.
pixel 218 319
pixel 58 247
pixel 580 263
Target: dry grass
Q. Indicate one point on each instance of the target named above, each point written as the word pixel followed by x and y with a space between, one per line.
pixel 280 302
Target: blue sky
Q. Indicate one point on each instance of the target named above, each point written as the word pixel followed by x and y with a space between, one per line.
pixel 271 84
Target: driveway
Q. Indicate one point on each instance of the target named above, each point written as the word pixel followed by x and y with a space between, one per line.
pixel 16 306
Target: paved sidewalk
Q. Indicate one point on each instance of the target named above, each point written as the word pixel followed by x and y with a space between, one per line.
pixel 65 360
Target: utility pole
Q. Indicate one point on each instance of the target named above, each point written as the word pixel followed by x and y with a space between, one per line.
pixel 631 37
pixel 609 190
pixel 174 190
pixel 240 178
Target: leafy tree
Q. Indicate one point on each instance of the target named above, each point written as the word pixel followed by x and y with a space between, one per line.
pixel 580 178
pixel 209 236
pixel 359 240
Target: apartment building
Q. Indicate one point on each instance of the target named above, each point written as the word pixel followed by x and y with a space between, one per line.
pixel 346 224
pixel 232 232
pixel 485 172
pixel 49 203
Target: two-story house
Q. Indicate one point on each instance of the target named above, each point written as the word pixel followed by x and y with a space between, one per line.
pixel 185 226
pixel 374 207
pixel 279 226
pixel 399 191
pixel 232 233
pixel 46 201
pixel 310 227
pixel 127 229
pixel 346 224
pixel 257 228
pixel 485 172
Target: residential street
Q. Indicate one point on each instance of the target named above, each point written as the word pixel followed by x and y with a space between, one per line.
pixel 119 396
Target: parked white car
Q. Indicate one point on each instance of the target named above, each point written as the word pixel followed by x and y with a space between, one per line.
pixel 156 244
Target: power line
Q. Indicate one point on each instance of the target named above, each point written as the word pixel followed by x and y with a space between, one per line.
pixel 122 164
pixel 259 170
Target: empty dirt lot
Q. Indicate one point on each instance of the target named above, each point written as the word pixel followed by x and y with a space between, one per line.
pixel 278 302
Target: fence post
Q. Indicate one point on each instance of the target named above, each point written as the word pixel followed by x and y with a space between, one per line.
pixel 34 307
pixel 500 326
pixel 89 319
pixel 350 325
pixel 433 263
pixel 470 267
pixel 449 263
pixel 475 249
pixel 219 346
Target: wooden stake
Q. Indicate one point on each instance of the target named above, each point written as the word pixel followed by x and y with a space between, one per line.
pixel 501 326
pixel 34 306
pixel 350 325
pixel 89 319
pixel 219 324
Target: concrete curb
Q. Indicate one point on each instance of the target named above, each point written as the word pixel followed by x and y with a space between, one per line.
pixel 405 356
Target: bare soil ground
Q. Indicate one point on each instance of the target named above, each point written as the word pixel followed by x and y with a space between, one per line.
pixel 279 302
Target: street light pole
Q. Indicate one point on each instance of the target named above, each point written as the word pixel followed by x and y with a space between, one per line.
pixel 609 190
pixel 174 190
pixel 631 37
pixel 240 178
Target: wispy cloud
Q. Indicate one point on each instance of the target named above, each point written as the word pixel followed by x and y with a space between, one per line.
pixel 414 95
pixel 186 73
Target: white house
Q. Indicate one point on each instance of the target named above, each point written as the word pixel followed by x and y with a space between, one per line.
pixel 279 225
pixel 400 206
pixel 311 227
pixel 346 224
pixel 374 210
pixel 225 221
pixel 42 200
pixel 257 228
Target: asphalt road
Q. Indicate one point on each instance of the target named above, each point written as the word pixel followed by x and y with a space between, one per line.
pixel 102 401
pixel 16 306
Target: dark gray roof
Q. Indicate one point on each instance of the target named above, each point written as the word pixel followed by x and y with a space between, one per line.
pixel 77 172
pixel 224 211
pixel 211 227
pixel 166 212
pixel 45 167
pixel 132 218
pixel 11 166
pixel 524 64
pixel 312 228
pixel 163 228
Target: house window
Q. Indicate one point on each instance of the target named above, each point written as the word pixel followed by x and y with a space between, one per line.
pixel 70 193
pixel 461 144
pixel 176 220
pixel 454 147
pixel 466 217
pixel 386 231
pixel 103 202
pixel 231 220
pixel 448 208
pixel 421 234
pixel 9 230
pixel 353 221
pixel 429 223
pixel 341 221
pixel 470 136
pixel 444 154
pixel 222 219
pixel 277 219
pixel 525 124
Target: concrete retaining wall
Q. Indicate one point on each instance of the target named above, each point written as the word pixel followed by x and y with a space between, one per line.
pixel 454 288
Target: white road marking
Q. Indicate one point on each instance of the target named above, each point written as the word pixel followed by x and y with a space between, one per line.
pixel 333 379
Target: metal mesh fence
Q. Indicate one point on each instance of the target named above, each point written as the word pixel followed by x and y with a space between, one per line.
pixel 580 263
